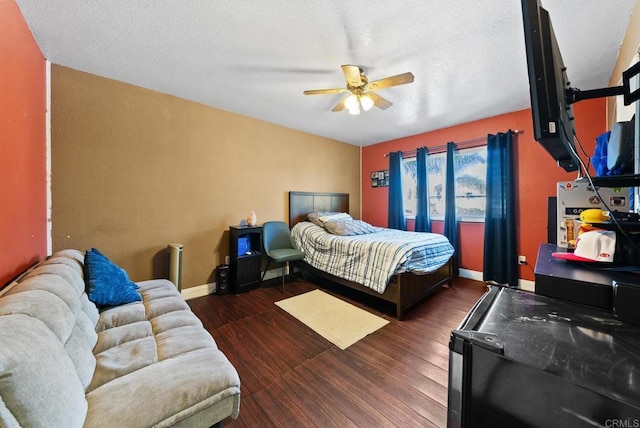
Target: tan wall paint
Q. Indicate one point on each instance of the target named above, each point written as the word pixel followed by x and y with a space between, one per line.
pixel 630 46
pixel 134 170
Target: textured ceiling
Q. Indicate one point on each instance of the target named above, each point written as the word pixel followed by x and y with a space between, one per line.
pixel 257 57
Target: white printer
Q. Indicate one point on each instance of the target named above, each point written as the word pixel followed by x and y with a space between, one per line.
pixel 577 196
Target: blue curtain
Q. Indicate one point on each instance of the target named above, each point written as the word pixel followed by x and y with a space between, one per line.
pixel 500 251
pixel 396 218
pixel 423 222
pixel 450 221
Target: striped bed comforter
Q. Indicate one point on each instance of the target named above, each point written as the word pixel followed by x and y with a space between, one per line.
pixel 371 259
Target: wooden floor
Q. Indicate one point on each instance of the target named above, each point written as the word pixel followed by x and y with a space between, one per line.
pixel 293 377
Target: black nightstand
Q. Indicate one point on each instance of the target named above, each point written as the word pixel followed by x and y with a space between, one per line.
pixel 245 257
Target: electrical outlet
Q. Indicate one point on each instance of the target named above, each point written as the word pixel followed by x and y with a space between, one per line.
pixel 522 260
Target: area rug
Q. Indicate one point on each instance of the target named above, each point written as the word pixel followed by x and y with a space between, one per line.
pixel 339 322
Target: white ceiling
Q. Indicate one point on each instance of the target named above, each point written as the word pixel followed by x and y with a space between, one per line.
pixel 256 57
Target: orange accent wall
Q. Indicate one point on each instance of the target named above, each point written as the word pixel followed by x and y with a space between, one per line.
pixel 537 175
pixel 23 198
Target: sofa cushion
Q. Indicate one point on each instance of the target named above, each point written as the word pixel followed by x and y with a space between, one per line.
pixel 176 393
pixel 38 382
pixel 62 267
pixel 116 336
pixel 121 360
pixel 107 283
pixel 49 294
pixel 79 350
pixel 181 340
pixel 120 315
pixel 42 305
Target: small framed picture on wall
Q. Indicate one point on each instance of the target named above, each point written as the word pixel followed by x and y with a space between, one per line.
pixel 380 178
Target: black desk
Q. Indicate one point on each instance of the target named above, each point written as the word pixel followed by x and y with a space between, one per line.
pixel 577 282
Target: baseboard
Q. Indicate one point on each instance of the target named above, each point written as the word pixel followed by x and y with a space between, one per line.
pixel 471 274
pixel 523 284
pixel 527 285
pixel 274 273
pixel 198 291
pixel 206 289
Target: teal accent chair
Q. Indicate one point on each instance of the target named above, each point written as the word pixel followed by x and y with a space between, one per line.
pixel 276 238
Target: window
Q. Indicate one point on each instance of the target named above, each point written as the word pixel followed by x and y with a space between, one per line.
pixel 471 172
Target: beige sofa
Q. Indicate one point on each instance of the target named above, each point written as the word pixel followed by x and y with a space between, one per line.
pixel 64 363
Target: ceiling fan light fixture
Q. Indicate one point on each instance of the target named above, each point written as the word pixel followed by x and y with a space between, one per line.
pixel 363 97
pixel 351 103
pixel 366 102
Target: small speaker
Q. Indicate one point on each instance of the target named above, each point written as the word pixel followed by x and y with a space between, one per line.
pixel 222 279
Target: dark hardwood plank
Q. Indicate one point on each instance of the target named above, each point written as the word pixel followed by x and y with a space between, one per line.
pixel 283 413
pixel 252 414
pixel 291 376
pixel 342 395
pixel 404 406
pixel 319 410
pixel 417 373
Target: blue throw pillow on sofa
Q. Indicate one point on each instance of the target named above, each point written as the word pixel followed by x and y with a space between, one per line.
pixel 107 283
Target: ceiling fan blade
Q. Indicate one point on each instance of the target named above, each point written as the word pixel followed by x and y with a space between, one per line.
pixel 378 101
pixel 325 91
pixel 352 74
pixel 340 105
pixel 398 79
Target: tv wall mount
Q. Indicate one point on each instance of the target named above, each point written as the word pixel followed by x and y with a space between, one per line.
pixel 574 95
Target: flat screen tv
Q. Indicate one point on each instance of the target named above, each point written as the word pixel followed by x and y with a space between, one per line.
pixel 552 114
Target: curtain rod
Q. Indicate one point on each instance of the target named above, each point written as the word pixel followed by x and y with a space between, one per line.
pixel 461 145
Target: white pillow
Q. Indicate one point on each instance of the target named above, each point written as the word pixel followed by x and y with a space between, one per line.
pixel 317 218
pixel 349 227
pixel 335 217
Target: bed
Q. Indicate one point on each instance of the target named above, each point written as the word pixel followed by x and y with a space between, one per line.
pixel 404 289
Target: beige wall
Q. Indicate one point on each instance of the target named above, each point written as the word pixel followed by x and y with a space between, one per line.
pixel 134 170
pixel 630 46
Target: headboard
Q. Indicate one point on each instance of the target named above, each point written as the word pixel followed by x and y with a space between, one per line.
pixel 303 203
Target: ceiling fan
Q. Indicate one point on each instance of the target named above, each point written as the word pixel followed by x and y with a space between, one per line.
pixel 362 95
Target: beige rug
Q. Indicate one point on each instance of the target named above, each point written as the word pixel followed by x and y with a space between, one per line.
pixel 339 322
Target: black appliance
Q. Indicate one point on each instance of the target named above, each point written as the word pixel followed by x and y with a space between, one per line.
pixel 222 279
pixel 524 360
